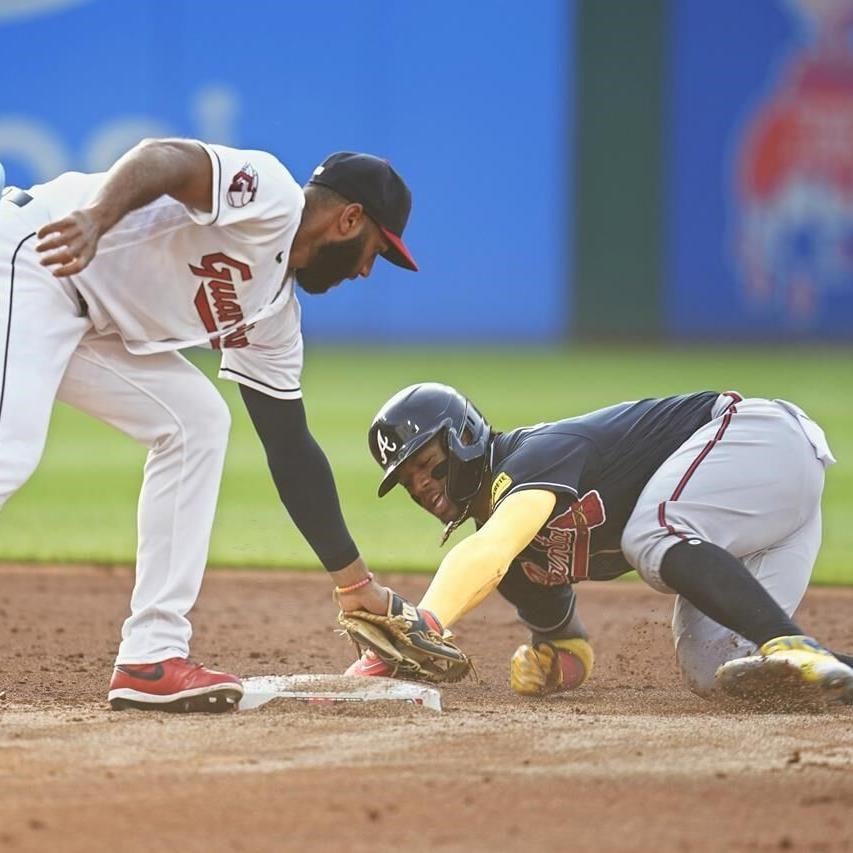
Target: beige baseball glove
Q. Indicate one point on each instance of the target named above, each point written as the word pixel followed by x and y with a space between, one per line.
pixel 410 641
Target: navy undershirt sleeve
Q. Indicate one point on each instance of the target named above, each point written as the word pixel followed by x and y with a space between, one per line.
pixel 302 475
pixel 544 609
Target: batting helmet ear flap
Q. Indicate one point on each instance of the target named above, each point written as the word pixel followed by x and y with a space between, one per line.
pixel 467 458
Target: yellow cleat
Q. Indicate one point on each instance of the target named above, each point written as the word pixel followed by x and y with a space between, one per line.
pixel 788 668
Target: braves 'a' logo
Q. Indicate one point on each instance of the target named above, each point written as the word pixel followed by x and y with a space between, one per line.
pixel 564 543
pixel 386 445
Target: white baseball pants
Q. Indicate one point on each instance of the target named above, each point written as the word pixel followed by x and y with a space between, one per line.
pixel 750 481
pixel 49 351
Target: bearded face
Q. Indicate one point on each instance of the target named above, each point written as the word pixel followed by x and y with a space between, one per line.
pixel 333 262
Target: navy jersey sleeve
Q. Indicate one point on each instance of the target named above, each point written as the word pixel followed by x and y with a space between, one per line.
pixel 552 461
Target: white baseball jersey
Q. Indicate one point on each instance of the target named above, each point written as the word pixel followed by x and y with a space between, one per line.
pixel 167 277
pixel 164 278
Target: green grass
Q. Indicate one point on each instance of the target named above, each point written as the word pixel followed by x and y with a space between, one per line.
pixel 80 504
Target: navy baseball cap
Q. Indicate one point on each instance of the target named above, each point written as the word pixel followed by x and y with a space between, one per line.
pixel 372 182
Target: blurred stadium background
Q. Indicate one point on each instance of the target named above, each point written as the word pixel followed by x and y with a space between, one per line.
pixel 612 199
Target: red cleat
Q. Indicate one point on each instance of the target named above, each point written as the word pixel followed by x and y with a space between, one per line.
pixel 370 665
pixel 176 684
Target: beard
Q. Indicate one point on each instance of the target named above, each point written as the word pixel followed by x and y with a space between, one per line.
pixel 332 264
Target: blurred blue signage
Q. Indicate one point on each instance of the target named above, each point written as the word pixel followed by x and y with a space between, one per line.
pixel 468 100
pixel 761 173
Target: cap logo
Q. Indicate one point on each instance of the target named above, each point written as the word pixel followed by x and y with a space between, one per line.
pixel 386 445
pixel 318 171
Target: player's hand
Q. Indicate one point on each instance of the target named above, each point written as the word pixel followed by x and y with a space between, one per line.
pixel 69 244
pixel 373 598
pixel 410 640
pixel 550 667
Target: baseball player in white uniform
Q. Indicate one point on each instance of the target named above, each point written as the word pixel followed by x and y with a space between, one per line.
pixel 709 496
pixel 105 277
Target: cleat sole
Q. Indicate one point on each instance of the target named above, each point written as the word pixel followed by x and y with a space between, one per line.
pixel 779 683
pixel 220 702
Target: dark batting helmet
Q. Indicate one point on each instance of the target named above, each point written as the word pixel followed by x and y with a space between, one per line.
pixel 418 413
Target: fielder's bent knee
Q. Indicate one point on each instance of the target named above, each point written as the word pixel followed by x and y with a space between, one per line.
pixel 211 423
pixel 202 423
pixel 217 416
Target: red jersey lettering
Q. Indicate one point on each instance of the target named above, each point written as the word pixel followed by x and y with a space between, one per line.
pixel 565 543
pixel 216 298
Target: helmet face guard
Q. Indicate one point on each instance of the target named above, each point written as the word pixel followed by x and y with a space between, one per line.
pixel 419 413
pixel 467 461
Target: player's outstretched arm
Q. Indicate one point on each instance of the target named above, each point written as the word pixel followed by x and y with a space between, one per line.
pixel 306 486
pixel 474 567
pixel 155 167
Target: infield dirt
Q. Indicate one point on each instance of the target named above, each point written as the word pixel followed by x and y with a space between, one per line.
pixel 631 761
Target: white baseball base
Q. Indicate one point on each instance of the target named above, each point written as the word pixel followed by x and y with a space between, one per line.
pixel 322 689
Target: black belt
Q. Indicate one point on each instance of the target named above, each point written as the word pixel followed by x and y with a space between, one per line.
pixel 18 197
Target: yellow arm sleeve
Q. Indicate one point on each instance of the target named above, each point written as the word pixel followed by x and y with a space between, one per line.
pixel 474 567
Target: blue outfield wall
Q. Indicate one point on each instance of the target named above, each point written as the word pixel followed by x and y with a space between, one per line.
pixel 760 170
pixel 470 101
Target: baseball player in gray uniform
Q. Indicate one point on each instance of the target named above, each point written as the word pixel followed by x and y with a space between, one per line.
pixel 709 496
pixel 105 277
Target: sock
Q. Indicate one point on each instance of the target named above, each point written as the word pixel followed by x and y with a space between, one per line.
pixel 719 585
